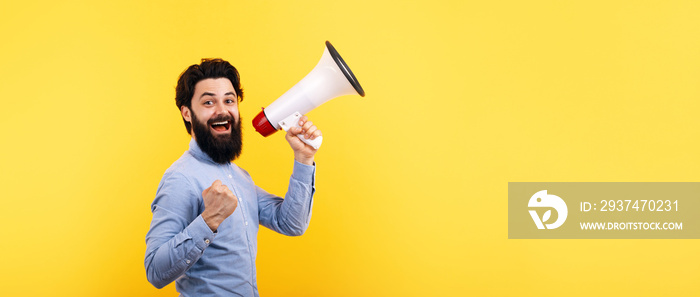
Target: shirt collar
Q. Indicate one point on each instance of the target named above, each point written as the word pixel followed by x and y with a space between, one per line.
pixel 197 152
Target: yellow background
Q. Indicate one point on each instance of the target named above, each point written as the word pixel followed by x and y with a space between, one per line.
pixel 462 97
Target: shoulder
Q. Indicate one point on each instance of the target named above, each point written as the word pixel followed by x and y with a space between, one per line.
pixel 180 179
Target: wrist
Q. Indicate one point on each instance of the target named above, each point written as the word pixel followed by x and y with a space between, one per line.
pixel 211 221
pixel 304 160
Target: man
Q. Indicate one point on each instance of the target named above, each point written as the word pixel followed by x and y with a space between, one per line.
pixel 207 210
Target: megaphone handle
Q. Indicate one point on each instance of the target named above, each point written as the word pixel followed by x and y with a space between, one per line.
pixel 314 143
pixel 293 121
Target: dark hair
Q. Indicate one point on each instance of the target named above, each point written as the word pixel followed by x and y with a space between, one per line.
pixel 209 68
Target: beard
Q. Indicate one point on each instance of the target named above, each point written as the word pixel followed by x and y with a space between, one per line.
pixel 221 148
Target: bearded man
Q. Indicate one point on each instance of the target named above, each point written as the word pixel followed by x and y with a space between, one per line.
pixel 207 210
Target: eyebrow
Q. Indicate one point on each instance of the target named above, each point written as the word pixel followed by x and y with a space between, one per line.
pixel 206 94
pixel 212 94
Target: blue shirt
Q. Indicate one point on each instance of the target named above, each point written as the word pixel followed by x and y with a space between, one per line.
pixel 181 247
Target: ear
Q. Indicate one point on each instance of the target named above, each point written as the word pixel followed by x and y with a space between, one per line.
pixel 185 111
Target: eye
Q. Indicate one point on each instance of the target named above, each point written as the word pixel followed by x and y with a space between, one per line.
pixel 229 101
pixel 208 102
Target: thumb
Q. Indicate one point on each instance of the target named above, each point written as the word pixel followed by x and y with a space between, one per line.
pixel 293 131
pixel 214 185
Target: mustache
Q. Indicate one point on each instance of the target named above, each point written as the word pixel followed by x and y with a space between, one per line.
pixel 221 118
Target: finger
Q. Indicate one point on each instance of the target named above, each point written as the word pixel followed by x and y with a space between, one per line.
pixel 295 130
pixel 309 132
pixel 303 120
pixel 227 191
pixel 315 134
pixel 218 187
pixel 292 133
pixel 307 125
pixel 214 185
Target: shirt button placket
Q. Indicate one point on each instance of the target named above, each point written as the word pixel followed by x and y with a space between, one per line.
pixel 240 202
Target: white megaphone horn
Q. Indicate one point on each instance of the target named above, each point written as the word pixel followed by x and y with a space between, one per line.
pixel 329 79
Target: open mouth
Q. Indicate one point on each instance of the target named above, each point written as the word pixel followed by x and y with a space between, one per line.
pixel 221 126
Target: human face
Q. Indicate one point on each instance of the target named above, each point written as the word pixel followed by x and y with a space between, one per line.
pixel 213 98
pixel 219 133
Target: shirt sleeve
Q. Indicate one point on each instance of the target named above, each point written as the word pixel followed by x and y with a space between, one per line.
pixel 178 234
pixel 291 215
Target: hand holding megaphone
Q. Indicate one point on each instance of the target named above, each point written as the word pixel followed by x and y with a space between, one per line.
pixel 293 121
pixel 329 79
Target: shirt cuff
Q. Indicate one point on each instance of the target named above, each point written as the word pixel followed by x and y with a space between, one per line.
pixel 304 173
pixel 201 233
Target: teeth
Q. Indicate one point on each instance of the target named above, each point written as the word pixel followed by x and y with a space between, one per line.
pixel 220 123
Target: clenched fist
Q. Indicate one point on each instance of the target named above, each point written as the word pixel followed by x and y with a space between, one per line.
pixel 219 203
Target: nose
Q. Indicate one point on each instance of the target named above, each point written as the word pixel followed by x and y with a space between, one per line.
pixel 220 108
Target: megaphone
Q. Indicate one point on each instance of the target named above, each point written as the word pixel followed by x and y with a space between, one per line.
pixel 329 79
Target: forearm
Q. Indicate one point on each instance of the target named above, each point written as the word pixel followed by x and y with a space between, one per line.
pixel 291 215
